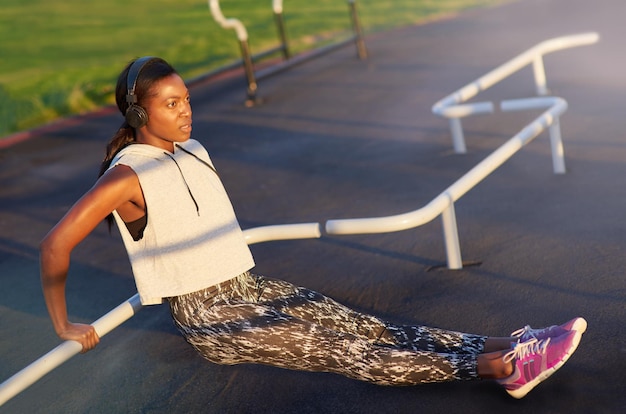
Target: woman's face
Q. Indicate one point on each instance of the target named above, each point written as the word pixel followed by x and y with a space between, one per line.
pixel 169 114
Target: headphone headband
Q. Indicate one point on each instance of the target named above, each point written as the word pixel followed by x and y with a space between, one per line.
pixel 133 75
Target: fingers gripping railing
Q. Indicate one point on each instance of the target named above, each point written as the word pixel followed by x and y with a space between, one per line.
pixel 450 107
pixel 248 59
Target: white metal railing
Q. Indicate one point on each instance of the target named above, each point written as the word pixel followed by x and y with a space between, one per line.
pixel 451 106
pixel 230 23
pixel 247 57
pixel 29 375
pixel 442 205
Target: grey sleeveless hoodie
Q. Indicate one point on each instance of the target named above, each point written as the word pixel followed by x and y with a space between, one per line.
pixel 192 239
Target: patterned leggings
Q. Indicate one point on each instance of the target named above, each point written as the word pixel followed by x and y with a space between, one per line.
pixel 255 319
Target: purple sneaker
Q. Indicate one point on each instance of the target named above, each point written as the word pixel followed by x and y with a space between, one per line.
pixel 535 360
pixel 526 333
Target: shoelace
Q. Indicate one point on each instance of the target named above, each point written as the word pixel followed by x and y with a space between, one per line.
pixel 524 349
pixel 525 330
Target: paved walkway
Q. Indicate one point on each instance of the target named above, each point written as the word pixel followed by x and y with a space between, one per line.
pixel 340 138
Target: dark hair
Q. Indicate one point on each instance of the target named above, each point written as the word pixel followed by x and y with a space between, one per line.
pixel 152 71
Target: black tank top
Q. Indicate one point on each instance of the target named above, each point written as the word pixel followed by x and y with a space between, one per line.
pixel 137 227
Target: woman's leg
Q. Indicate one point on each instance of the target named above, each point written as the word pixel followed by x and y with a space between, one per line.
pixel 312 306
pixel 232 333
pixel 229 324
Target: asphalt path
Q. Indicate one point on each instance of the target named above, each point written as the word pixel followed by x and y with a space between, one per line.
pixel 337 137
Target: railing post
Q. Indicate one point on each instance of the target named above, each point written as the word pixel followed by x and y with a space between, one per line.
pixel 556 143
pixel 251 98
pixel 242 36
pixel 247 57
pixel 451 237
pixel 541 84
pixel 358 34
pixel 458 141
pixel 532 56
pixel 551 122
pixel 277 7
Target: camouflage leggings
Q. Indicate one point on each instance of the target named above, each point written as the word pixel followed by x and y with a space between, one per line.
pixel 259 320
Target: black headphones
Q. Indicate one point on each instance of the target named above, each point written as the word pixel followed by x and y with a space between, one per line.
pixel 135 115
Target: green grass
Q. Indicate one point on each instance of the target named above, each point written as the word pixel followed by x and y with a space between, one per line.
pixel 59 58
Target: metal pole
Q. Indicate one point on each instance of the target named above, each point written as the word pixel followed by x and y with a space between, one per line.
pixel 468 181
pixel 532 56
pixel 280 26
pixel 541 84
pixel 451 237
pixel 242 36
pixel 251 98
pixel 552 120
pixel 556 142
pixel 358 34
pixel 456 130
pixel 29 375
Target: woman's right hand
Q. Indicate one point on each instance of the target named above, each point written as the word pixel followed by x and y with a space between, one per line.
pixel 84 334
pixel 117 187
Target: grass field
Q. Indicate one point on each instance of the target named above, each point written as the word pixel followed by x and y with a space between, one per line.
pixel 62 57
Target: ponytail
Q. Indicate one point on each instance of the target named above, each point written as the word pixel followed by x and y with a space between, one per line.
pixel 124 136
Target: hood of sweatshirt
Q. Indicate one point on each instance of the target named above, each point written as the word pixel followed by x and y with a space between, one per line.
pixel 152 152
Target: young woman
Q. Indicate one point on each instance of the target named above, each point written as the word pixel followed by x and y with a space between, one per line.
pixel 186 247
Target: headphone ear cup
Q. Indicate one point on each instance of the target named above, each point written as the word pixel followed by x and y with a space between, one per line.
pixel 136 116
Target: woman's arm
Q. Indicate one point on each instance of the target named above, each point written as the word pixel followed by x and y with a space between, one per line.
pixel 117 187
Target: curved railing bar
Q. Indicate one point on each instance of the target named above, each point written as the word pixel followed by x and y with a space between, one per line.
pixel 441 205
pixel 248 58
pixel 127 309
pixel 277 6
pixel 503 71
pixel 242 36
pixel 449 107
pixel 230 23
pixel 29 375
pixel 283 232
pixel 435 207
